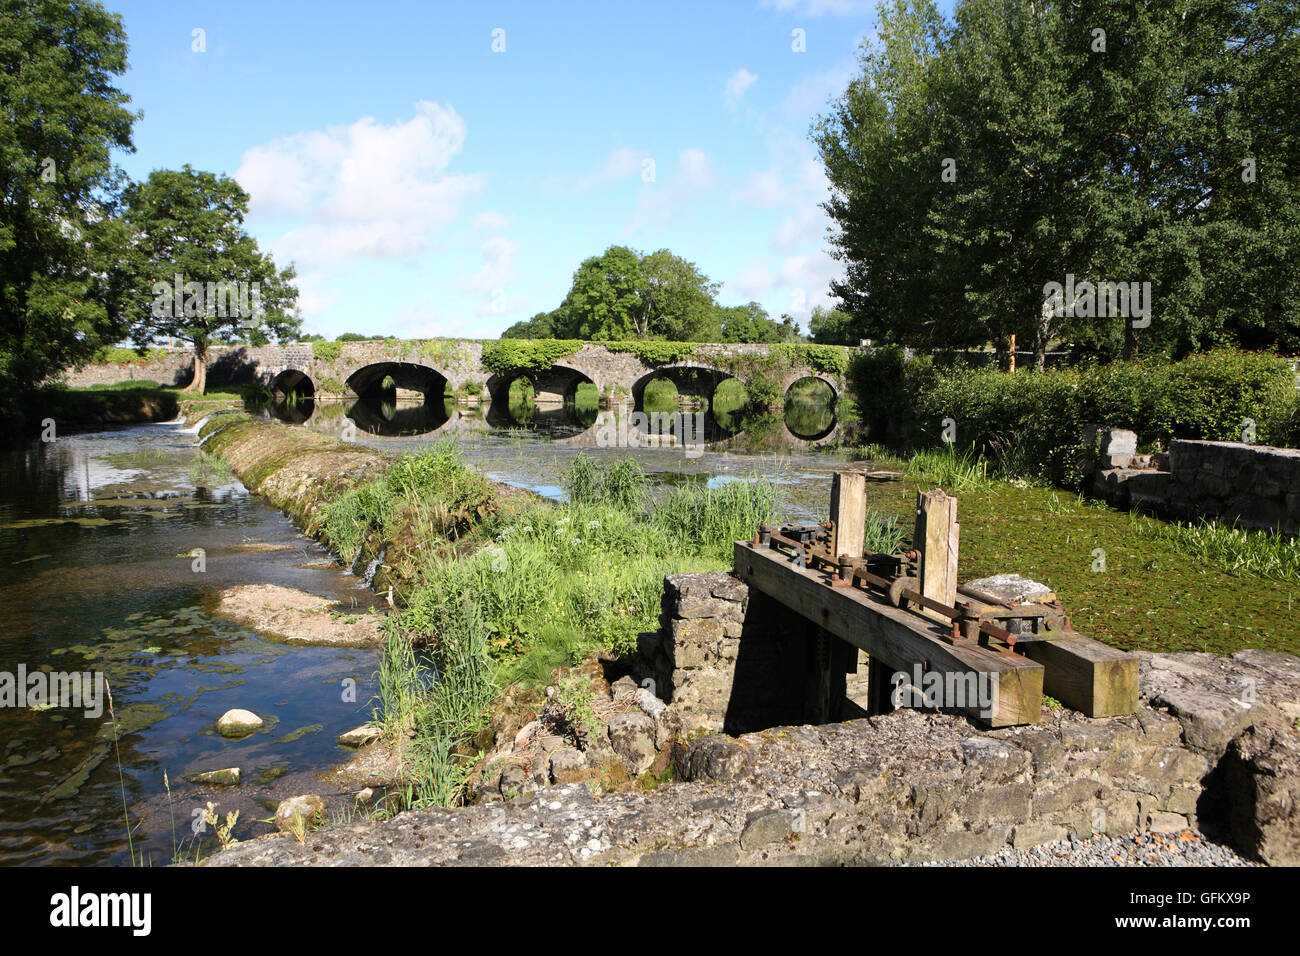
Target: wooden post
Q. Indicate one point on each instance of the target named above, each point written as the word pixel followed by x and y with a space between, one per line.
pixel 936 539
pixel 1011 366
pixel 880 687
pixel 849 512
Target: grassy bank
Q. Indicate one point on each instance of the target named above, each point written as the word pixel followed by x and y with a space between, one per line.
pixel 502 596
pixel 495 588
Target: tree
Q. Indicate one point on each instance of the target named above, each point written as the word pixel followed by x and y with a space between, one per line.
pixel 832 327
pixel 194 273
pixel 751 323
pixel 974 162
pixel 624 295
pixel 60 119
pixel 540 326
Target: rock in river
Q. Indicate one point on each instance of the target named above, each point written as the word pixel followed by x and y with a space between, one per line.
pixel 305 811
pixel 359 736
pixel 239 723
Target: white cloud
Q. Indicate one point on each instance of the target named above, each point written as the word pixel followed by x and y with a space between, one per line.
pixel 811 96
pixel 368 189
pixel 765 189
pixel 490 221
pixel 662 200
pixel 623 163
pixel 498 266
pixel 737 84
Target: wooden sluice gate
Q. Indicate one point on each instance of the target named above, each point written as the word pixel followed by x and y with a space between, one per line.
pixel 929 640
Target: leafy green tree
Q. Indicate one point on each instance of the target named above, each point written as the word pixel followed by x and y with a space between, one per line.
pixel 624 295
pixel 60 119
pixel 751 323
pixel 194 273
pixel 540 326
pixel 974 161
pixel 832 327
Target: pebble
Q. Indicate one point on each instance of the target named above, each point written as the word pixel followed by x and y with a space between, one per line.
pixel 1139 848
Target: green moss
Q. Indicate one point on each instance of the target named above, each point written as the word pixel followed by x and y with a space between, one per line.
pixel 655 353
pixel 1158 592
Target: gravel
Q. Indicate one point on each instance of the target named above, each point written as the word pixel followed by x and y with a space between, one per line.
pixel 1140 848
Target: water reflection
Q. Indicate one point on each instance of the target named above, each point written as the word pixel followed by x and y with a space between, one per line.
pixel 736 428
pixel 396 418
pixel 809 422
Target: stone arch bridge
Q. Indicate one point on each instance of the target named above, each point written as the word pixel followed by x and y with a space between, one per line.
pixel 362 369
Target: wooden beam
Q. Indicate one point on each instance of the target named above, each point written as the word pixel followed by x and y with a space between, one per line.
pixel 1087 675
pixel 849 512
pixel 936 538
pixel 894 637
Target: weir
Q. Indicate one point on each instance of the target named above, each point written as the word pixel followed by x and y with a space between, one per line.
pixel 929 641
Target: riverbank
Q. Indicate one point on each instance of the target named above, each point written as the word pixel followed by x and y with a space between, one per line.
pixel 555 582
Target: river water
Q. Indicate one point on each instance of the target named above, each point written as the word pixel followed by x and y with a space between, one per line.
pixel 96 536
pixel 98 533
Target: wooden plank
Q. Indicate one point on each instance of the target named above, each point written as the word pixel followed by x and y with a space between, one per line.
pixel 936 538
pixel 849 512
pixel 1087 675
pixel 894 637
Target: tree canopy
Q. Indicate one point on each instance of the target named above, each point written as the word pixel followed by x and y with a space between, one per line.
pixel 193 273
pixel 976 160
pixel 623 295
pixel 61 116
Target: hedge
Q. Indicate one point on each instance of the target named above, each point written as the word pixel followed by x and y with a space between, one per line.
pixel 509 355
pixel 1034 421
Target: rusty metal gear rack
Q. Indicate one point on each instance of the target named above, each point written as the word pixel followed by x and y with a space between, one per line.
pixel 909 614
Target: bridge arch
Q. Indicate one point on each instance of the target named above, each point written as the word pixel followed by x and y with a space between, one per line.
pixel 292 381
pixel 697 381
pixel 821 380
pixel 559 383
pixel 368 381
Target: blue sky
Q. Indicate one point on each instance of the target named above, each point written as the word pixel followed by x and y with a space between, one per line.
pixel 426 185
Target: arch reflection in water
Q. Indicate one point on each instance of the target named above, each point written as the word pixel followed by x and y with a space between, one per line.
pixel 293 408
pixel 810 409
pixel 377 416
pixel 516 406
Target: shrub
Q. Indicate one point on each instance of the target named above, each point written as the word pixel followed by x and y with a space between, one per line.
pixel 510 355
pixel 327 351
pixel 1033 422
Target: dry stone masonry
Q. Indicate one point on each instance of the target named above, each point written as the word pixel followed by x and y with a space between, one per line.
pixel 1213 745
pixel 1254 486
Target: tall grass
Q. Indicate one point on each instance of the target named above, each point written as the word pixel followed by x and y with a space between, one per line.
pixel 431 494
pixel 450 711
pixel 1235 550
pixel 953 470
pixel 552 583
pixel 883 533
pixel 621 485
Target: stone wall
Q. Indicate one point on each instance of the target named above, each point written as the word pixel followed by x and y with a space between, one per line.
pixel 174 368
pixel 1213 746
pixel 1254 486
pixel 904 787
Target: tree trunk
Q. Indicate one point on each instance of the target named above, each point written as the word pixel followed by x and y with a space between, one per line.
pixel 199 380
